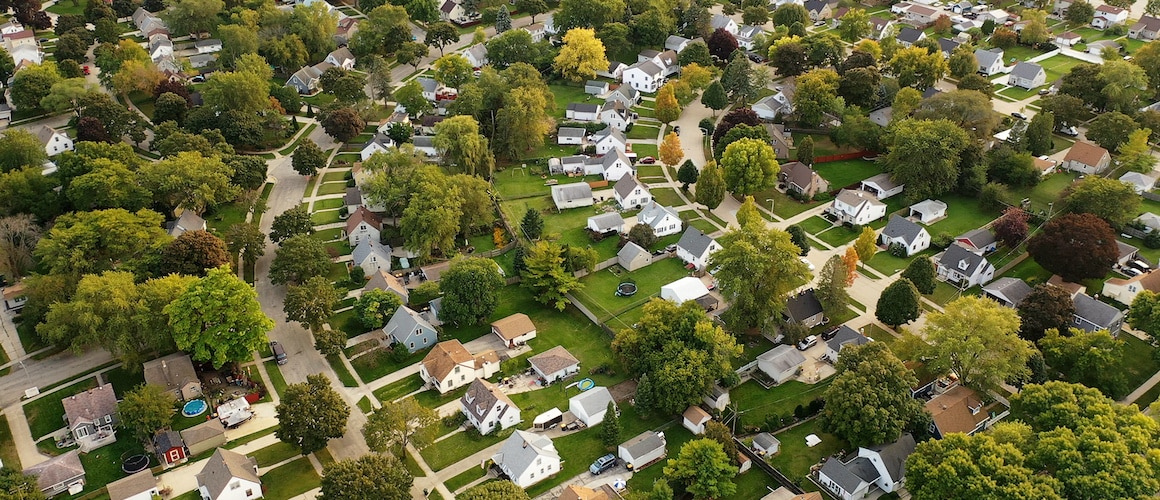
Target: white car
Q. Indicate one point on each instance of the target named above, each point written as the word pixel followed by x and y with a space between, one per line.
pixel 807 262
pixel 808 342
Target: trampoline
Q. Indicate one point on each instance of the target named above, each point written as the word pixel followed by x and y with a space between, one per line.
pixel 586 384
pixel 135 464
pixel 626 289
pixel 194 408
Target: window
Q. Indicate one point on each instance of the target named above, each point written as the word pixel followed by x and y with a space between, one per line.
pixel 108 419
pixel 249 493
pixel 412 345
pixel 82 432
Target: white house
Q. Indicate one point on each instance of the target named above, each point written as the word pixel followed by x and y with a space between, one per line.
pixel 448 366
pixel 609 139
pixel 781 363
pixel 595 87
pixel 371 256
pixel 880 27
pixel 921 14
pixel 1086 158
pixel 615 70
pixel 627 95
pixel 880 466
pixel 476 55
pixel 765 444
pixel 747 35
pixel 1067 39
pixel 514 330
pixel 410 330
pixel 527 458
pixel 554 364
pixel 1027 75
pixel 684 290
pixel 1009 292
pixel 646 448
pixel 450 10
pixel 990 61
pixel 1108 15
pixel 55 142
pixel 631 194
pixel 577 194
pixel 856 207
pixel 1138 181
pixel 487 408
pixel 570 136
pixel 201 60
pixel 606 223
pixel 768 107
pixel 1147 28
pixel 229 475
pixel 208 46
pixel 582 112
pixel 590 406
pixel 902 231
pixel 644 76
pixel 663 220
pixel 881 186
pixel 676 43
pixel 380 143
pixel 341 57
pixel 695 419
pixel 1124 291
pixel 160 46
pixel 616 115
pixel 614 165
pixel 928 211
pixel 845 337
pixel 632 257
pixel 961 266
pixel 139 486
pixel 695 247
pixel 724 22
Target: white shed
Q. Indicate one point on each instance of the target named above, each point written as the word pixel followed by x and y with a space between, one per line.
pixel 684 289
pixel 766 444
pixel 646 448
pixel 695 419
pixel 590 406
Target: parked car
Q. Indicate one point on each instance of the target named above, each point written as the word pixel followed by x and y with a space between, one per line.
pixel 677 129
pixel 808 342
pixel 1069 131
pixel 829 334
pixel 1019 115
pixel 1132 272
pixel 86 70
pixel 648 160
pixel 1141 265
pixel 279 352
pixel 755 57
pixel 602 464
pixel 807 262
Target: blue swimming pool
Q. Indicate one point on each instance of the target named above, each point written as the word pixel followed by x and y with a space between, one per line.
pixel 194 408
pixel 586 384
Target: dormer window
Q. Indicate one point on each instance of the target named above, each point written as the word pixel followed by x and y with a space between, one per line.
pixel 963 265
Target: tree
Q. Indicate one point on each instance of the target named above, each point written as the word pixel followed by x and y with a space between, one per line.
pixel 70 47
pixel 459 142
pixel 20 148
pixel 643 235
pixel 517 47
pixel 1152 8
pixel 18 237
pixel 711 186
pixel 399 424
pixel 805 150
pixel 721 44
pixel 440 35
pixel 687 174
pixel 866 245
pixel 667 107
pixel 193 16
pixel 1125 84
pixel 899 303
pixel 32 84
pixel 1108 199
pixel 714 97
pixel 494 490
pixel 546 277
pixel 145 410
pixel 924 155
pixel 854 26
pixel 311 304
pixel 470 290
pixel 170 107
pixel 788 56
pixel 1047 307
pixel 1144 313
pixel 503 20
pixel 703 468
pixel 960 465
pixel 916 67
pixel 308 158
pixel 290 223
pixel 298 259
pixel 532 224
pixel 581 56
pixel 218 319
pixel 921 273
pixel 817 94
pixel 1079 13
pixel 1011 228
pixel 91 242
pixel 246 240
pixel 1075 246
pixel 453 70
pixel 1110 129
pixel 758 268
pixel 1088 358
pixel 1039 134
pixel 18 486
pixel 670 150
pixel 369 477
pixel 189 180
pixel 831 287
pixel 522 125
pixel 977 339
pixel 193 253
pixel 243 91
pixel 344 124
pixel 869 401
pixel 750 166
pixel 610 427
pixel 1136 154
pixel 1035 30
pixel 962 62
pixel 375 307
pixel 310 414
pixel 532 7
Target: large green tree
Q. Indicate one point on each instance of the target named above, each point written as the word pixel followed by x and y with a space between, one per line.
pixel 369 477
pixel 545 276
pixel 146 409
pixel 1047 307
pixel 494 490
pixel 757 269
pixel 193 253
pixel 979 466
pixel 1089 358
pixel 869 401
pixel 1075 246
pixel 899 303
pixel 470 290
pixel 91 242
pixel 703 468
pixel 399 424
pixel 298 259
pixel 311 304
pixel 750 166
pixel 978 340
pixel 711 186
pixel 924 155
pixel 1109 199
pixel 310 414
pixel 218 319
pixel 290 223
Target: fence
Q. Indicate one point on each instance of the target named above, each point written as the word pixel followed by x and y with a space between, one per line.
pixel 843 156
pixel 768 469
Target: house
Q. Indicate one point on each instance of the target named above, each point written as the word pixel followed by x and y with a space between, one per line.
pixel 645 76
pixel 768 107
pixel 956 410
pixel 990 61
pixel 55 142
pixel 902 231
pixel 781 363
pixel 92 417
pixel 449 366
pixel 920 14
pixel 515 330
pixel 1107 16
pixel 695 247
pixel 979 241
pixel 537 30
pixel 724 22
pixel 371 256
pixel 800 178
pixel 570 135
pixel 345 31
pixel 451 10
pixel 747 35
pixel 962 7
pixel 1087 158
pixel 341 57
pixel 717 398
pixel 880 27
pixel 408 329
pixel 1097 47
pixel 582 112
pixel 363 225
pixel 962 267
pixel 780 139
pixel 1124 291
pixel 819 9
pixel 555 364
pixel 632 257
pixel 1060 7
pixel 695 419
pixel 625 94
pixel 928 211
pixel 845 337
pixel 576 194
pixel 385 281
pixel 305 80
pixel 14 297
pixel 646 448
pixel 175 374
pixel 947 46
pixel 1043 164
pixel 1027 75
pixel 204 436
pixel 881 186
pixel 139 486
pixel 160 46
pixel 1147 28
pixel 169 448
pixel 676 43
pixel 430 87
pixel 610 222
pixel 229 475
pixel 10 27
pixel 631 194
pixel 684 290
pixel 147 22
pixel 1138 181
pixel 609 139
pixel 527 458
pixel 765 444
pixel 380 143
pixel 59 474
pixel 1067 39
pixel 614 114
pixel 476 55
pixel 590 406
pixel 999 16
pixel 908 36
pixel 201 60
pixel 1008 292
pixel 487 408
pixel 663 220
pixel 857 207
pixel 804 309
pixel 615 70
pixel 425 144
pixel 209 46
pixel 595 87
pixel 1091 315
pixel 880 466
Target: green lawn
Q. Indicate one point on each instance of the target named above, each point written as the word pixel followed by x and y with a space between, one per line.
pixel 124 380
pixel 568 94
pixel 340 370
pixel 348 322
pixel 1139 364
pixel 599 292
pixel 1020 93
pixel 795 458
pixel 8 453
pixel 276 377
pixel 290 480
pixel 391 392
pixel 963 214
pixel 464 478
pixel 332 188
pixel 1030 271
pixel 1057 66
pixel 67 7
pixel 815 225
pixel 521 183
pixel 365 405
pixel 704 225
pixel 220 218
pixel 887 264
pixel 1047 191
pixel 838 236
pixel 643 132
pixel 846 172
pixel 46 415
pixel 328 204
pixel 460 446
pixel 757 403
pixel 103 465
pixel 667 197
pixel 650 171
pixel 325 217
pixel 275 453
pixel 1020 53
pixel 784 206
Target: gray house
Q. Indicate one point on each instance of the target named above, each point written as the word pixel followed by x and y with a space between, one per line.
pixel 305 80
pixel 408 328
pixel 577 194
pixel 595 87
pixel 92 417
pixel 845 337
pixel 1007 291
pixel 804 309
pixel 1027 75
pixel 59 474
pixel 1092 315
pixel 175 373
pixel 646 448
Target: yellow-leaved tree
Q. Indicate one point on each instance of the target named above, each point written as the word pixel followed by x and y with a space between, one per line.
pixel 581 56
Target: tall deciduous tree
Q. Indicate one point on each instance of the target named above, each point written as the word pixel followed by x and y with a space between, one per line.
pixel 817 94
pixel 1145 312
pixel 581 56
pixel 344 124
pixel 308 158
pixel 898 304
pixel 924 155
pixel 1135 153
pixel 867 244
pixel 757 268
pixel 687 174
pixel 670 149
pixel 193 253
pixel 310 414
pixel 399 424
pixel 369 477
pixel 714 97
pixel 91 242
pixel 921 273
pixel 470 290
pixel 831 288
pixel 18 237
pixel 218 319
pixel 145 410
pixel 494 490
pixel 311 303
pixel 869 401
pixel 460 143
pixel 246 240
pixel 1108 199
pixel 978 340
pixel 291 223
pixel 1011 228
pixel 1075 246
pixel 1110 129
pixel 20 148
pixel 1039 134
pixel 667 107
pixel 298 259
pixel 703 468
pixel 750 166
pixel 546 277
pixel 1089 358
pixel 711 186
pixel 375 307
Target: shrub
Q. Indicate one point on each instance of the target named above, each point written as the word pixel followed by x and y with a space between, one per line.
pixel 898 250
pixel 1152 240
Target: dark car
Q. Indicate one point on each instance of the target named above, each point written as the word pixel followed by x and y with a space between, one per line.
pixel 602 464
pixel 1019 115
pixel 279 352
pixel 755 57
pixel 677 129
pixel 648 160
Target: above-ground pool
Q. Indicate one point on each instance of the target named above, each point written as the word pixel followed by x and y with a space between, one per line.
pixel 194 408
pixel 586 384
pixel 135 464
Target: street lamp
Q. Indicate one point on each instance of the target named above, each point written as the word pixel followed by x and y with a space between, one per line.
pixel 770 200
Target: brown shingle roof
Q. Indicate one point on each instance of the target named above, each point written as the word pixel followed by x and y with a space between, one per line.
pixel 14 291
pixel 385 281
pixel 171 372
pixel 360 215
pixel 513 326
pixel 444 357
pixel 90 405
pixel 1086 153
pixel 203 432
pixel 554 360
pixel 952 410
pixel 57 470
pixel 127 487
pixel 696 415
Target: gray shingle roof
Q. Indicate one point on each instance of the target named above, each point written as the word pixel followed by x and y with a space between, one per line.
pixel 199 433
pixel 1095 311
pixel 947 45
pixel 980 237
pixel 481 398
pixel 127 487
pixel 403 324
pixel 210 42
pixel 368 246
pixel 223 467
pixel 428 84
pixel 1013 289
pixel 90 405
pixel 170 372
pixel 694 241
pixel 783 358
pixel 653 213
pixel 845 476
pixel 894 455
pixel 570 132
pixel 579 107
pixel 909 35
pixel 572 192
pixel 901 227
pixel 608 220
pixel 765 441
pixel 521 450
pixel 803 305
pixel 846 336
pixel 165 440
pixel 629 252
pixel 643 444
pixel 987 58
pixel 1026 70
pixel 353 196
pixel 814 5
pixel 719 21
pixel 957 253
pixel 625 185
pixel 606 132
pixel 594 400
pixel 648 67
pixel 57 470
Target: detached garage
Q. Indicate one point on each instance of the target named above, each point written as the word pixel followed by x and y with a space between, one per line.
pixel 684 290
pixel 642 450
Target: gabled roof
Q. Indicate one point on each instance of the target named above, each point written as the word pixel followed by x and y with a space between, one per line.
pixel 571 192
pixel 607 132
pixel 580 107
pixel 979 238
pixel 165 440
pixel 881 181
pixel 340 54
pixel 596 83
pixel 783 358
pixel 849 476
pixel 1085 153
pixel 481 398
pixel 1026 70
pixel 223 467
pixel 803 305
pixel 921 9
pixel 593 400
pixel 909 35
pixel 929 206
pixel 987 58
pixel 798 173
pixel 553 360
pixel 1147 23
pixel 901 227
pixel 694 241
pixel 448 6
pixel 846 336
pixel 428 84
pixel 382 280
pixel 90 405
pixel 444 357
pixel 957 253
pixel 571 132
pixel 360 215
pixel 625 90
pixel 856 197
pixel 765 440
pixel 135 484
pixel 1068 35
pixel 957 410
pixel 674 41
pixel 45 133
pixel 625 186
pixel 696 415
pixel 202 432
pixel 57 470
pixel 1139 180
pixel 1094 311
pixel 648 67
pixel 608 220
pixel 202 58
pixel 653 213
pixel 643 444
pixel 616 107
pixel 815 5
pixel 1013 289
pixel 170 372
pixel 521 449
pixel 513 326
pixel 353 196
pixel 404 322
pixel 1109 9
pixel 720 21
pixel 894 455
pixel 630 251
pixel 370 246
pixel 947 45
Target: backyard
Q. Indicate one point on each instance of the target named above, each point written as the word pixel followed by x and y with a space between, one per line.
pixel 756 404
pixel 795 458
pixel 599 292
pixel 46 414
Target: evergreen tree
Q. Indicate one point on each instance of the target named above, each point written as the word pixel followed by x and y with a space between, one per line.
pixel 503 20
pixel 921 273
pixel 1039 133
pixel 610 427
pixel 714 97
pixel 805 150
pixel 643 400
pixel 899 303
pixel 532 224
pixel 687 174
pixel 799 238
